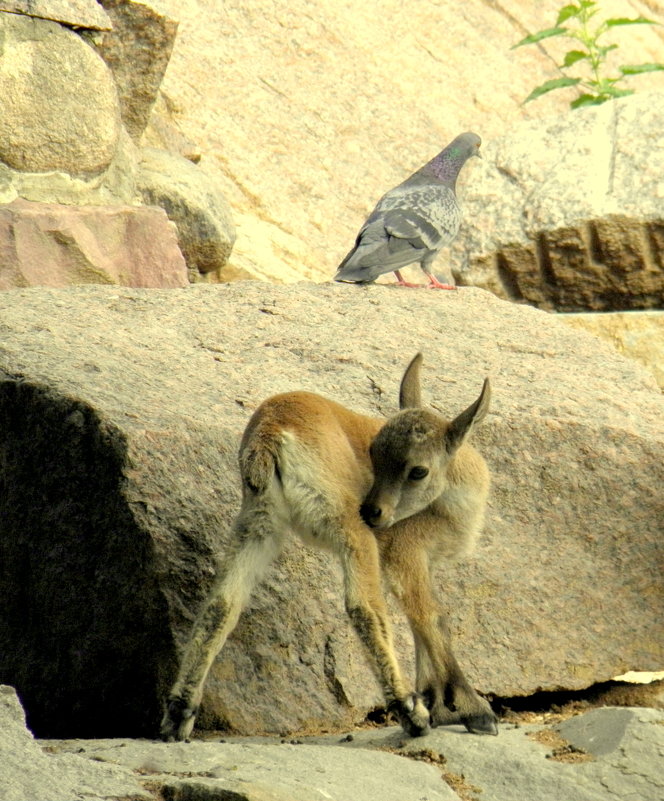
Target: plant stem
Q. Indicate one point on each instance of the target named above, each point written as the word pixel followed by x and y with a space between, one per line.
pixel 590 41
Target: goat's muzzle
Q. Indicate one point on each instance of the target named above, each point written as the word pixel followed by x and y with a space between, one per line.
pixel 372 515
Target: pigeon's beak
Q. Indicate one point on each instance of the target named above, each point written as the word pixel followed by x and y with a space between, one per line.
pixel 478 154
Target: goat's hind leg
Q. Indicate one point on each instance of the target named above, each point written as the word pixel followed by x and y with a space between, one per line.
pixel 256 541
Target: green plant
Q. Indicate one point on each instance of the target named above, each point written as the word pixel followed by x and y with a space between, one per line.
pixel 588 53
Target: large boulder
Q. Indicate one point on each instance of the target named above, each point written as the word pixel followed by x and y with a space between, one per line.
pixel 61 135
pixel 50 119
pixel 122 411
pixel 193 201
pixel 46 244
pixel 569 214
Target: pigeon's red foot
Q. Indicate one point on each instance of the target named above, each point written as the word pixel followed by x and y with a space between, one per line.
pixel 434 283
pixel 410 286
pixel 401 282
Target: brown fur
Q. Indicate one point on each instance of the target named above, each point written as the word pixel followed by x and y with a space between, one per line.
pixel 344 481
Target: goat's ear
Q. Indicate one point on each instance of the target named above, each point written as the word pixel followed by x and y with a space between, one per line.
pixel 410 396
pixel 461 426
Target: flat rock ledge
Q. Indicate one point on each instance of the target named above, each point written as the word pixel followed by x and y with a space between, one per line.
pixel 606 753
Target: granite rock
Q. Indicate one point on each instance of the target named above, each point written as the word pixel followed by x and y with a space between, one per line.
pixel 309 111
pixel 637 334
pixel 50 119
pixel 193 201
pixel 123 411
pixel 137 50
pixel 568 214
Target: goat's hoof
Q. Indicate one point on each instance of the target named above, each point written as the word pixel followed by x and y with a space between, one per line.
pixel 483 723
pixel 412 715
pixel 178 720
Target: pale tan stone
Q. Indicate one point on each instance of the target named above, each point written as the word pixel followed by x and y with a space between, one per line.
pixel 193 201
pixel 137 50
pixel 639 335
pixel 164 132
pixel 59 107
pixel 309 111
pixel 115 186
pixel 566 214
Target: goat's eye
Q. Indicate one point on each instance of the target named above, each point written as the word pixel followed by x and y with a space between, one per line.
pixel 417 473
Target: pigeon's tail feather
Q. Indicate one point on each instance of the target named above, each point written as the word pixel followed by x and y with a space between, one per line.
pixel 353 271
pixel 356 275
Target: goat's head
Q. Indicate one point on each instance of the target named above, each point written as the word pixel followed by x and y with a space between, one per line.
pixel 413 455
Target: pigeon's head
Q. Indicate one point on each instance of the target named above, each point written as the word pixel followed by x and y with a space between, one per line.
pixel 463 147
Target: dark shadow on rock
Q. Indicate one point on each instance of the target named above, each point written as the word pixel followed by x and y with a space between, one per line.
pixel 79 614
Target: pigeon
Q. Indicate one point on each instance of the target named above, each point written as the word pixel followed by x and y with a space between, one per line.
pixel 413 221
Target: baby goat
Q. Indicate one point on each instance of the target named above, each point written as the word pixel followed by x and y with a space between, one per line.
pixel 391 499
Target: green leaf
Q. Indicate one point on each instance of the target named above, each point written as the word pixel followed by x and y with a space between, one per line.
pixel 588 100
pixel 537 37
pixel 602 51
pixel 573 56
pixel 615 21
pixel 568 11
pixel 588 10
pixel 605 82
pixel 613 92
pixel 637 69
pixel 549 86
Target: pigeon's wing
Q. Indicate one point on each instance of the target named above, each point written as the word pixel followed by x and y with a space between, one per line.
pixel 405 227
pixel 376 251
pixel 429 212
pixel 411 228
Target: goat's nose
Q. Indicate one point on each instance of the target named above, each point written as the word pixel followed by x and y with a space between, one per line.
pixel 370 513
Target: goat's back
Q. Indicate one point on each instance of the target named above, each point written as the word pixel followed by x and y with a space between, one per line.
pixel 304 437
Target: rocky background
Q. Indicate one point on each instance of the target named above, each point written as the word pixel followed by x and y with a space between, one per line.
pixel 149 148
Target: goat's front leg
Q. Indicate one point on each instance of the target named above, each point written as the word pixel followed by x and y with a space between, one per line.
pixel 440 680
pixel 255 544
pixel 443 685
pixel 367 610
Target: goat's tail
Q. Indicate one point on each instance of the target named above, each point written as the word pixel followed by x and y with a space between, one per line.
pixel 259 459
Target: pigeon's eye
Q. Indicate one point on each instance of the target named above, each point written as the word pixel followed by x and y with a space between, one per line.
pixel 417 473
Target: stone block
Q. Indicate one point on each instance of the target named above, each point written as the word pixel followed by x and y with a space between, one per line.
pixel 45 244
